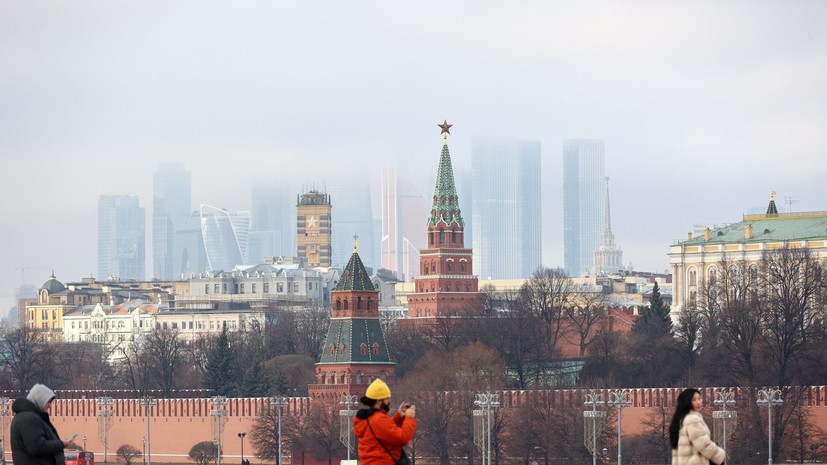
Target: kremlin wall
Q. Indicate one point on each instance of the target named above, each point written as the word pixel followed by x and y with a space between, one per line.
pixel 178 424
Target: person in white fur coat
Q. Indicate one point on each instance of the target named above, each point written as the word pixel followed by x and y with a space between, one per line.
pixel 689 435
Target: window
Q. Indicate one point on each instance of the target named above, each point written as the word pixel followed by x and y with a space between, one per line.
pixel 345 304
pixel 266 288
pixel 54 314
pixel 358 377
pixel 338 303
pixel 359 303
pixel 693 277
pixel 279 287
pixel 44 314
pixel 224 288
pixel 363 349
pixel 450 266
pixel 242 288
pixel 236 288
pixel 215 289
pixel 441 236
pixel 295 287
pixel 174 325
pixel 190 325
pixel 253 288
pixel 462 267
pixel 375 349
pixel 206 288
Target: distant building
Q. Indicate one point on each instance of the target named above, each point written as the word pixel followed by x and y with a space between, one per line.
pixel 506 205
pixel 583 202
pixel 403 211
pixel 121 237
pixel 190 257
pixel 700 258
pixel 226 236
pixel 608 258
pixel 273 224
pixel 352 215
pixel 116 327
pixel 171 208
pixel 313 228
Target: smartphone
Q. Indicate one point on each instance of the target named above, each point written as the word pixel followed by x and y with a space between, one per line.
pixel 73 437
pixel 407 405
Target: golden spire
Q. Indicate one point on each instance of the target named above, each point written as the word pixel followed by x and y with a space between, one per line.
pixel 355 243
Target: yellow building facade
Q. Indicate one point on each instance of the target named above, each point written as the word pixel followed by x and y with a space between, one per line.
pixel 313 229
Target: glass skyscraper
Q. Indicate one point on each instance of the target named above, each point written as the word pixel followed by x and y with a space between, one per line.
pixel 584 202
pixel 273 229
pixel 226 236
pixel 121 237
pixel 506 207
pixel 171 207
pixel 352 215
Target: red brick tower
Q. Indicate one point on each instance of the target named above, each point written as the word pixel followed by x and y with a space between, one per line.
pixel 355 352
pixel 445 287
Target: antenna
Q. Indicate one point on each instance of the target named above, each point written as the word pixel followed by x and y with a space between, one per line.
pixel 790 200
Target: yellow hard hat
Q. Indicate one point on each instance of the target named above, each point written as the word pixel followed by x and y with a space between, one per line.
pixel 378 390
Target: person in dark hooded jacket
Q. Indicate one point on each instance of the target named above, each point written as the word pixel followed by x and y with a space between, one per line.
pixel 34 441
pixel 381 437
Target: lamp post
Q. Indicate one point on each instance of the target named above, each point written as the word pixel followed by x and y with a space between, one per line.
pixel 104 412
pixel 769 398
pixel 84 442
pixel 218 412
pixel 593 400
pixel 487 402
pixel 279 402
pixel 143 440
pixel 619 398
pixel 4 412
pixel 241 436
pixel 346 420
pixel 148 402
pixel 724 399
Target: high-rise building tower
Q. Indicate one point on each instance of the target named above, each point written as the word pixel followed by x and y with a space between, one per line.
pixel 446 286
pixel 608 258
pixel 121 237
pixel 584 196
pixel 402 212
pixel 313 228
pixel 355 352
pixel 506 206
pixel 272 233
pixel 171 206
pixel 353 216
pixel 225 235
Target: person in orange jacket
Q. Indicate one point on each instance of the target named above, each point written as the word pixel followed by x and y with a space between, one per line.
pixel 381 437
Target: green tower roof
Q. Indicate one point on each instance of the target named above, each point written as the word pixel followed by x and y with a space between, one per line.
pixel 355 277
pixel 355 340
pixel 446 203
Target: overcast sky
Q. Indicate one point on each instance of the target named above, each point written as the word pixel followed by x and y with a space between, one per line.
pixel 705 107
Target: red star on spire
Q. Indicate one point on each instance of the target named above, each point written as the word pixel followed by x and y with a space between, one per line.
pixel 446 128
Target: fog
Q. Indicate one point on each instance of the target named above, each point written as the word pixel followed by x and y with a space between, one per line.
pixel 705 107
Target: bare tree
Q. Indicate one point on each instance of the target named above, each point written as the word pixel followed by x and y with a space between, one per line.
pixel 28 359
pixel 127 453
pixel 585 311
pixel 204 452
pixel 164 351
pixel 545 294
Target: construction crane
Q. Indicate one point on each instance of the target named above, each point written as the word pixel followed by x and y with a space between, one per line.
pixel 22 269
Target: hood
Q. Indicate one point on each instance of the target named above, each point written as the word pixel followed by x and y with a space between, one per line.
pixel 40 395
pixel 21 404
pixel 360 424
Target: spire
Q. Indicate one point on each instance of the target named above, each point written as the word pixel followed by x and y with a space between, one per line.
pixel 445 206
pixel 771 209
pixel 354 276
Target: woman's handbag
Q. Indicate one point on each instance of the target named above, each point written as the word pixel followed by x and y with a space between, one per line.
pixel 402 460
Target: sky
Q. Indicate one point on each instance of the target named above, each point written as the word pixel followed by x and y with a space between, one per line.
pixel 705 107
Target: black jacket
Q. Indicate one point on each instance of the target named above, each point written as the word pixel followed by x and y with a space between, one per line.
pixel 34 441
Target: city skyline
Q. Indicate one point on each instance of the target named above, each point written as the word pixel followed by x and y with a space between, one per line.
pixel 704 108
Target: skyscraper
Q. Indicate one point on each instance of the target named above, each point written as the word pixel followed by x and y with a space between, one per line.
pixel 403 211
pixel 274 219
pixel 313 228
pixel 608 258
pixel 190 256
pixel 353 216
pixel 225 237
pixel 584 197
pixel 506 207
pixel 121 237
pixel 171 207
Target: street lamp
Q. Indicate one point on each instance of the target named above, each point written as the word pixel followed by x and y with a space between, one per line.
pixel 148 402
pixel 241 436
pixel 346 420
pixel 218 412
pixel 487 402
pixel 619 398
pixel 84 442
pixel 593 400
pixel 143 440
pixel 724 417
pixel 769 398
pixel 279 402
pixel 104 412
pixel 4 412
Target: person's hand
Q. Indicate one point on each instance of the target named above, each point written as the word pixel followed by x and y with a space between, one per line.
pixel 410 412
pixel 66 443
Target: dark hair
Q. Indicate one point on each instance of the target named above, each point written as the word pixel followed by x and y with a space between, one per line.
pixel 684 406
pixel 368 401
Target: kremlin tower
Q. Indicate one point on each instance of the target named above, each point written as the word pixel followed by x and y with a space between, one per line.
pixel 445 286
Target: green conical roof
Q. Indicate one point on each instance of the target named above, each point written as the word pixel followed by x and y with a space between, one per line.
pixel 355 340
pixel 446 203
pixel 355 277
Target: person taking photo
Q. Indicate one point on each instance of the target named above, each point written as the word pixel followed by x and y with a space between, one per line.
pixel 381 437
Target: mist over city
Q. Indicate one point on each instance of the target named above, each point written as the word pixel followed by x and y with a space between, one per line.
pixel 705 109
